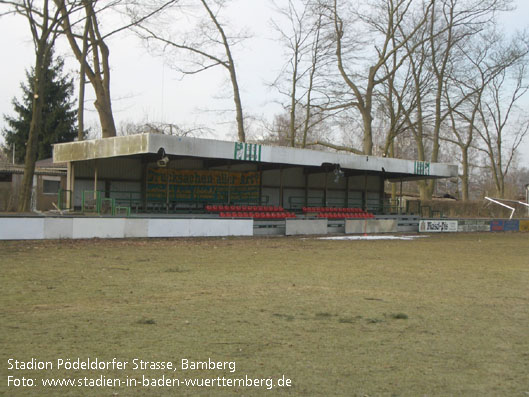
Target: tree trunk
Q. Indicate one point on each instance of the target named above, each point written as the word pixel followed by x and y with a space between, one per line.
pixel 80 109
pixel 230 65
pixel 104 110
pixel 82 83
pixel 368 134
pixel 238 105
pixel 39 87
pixel 501 185
pixel 292 125
pixel 464 177
pixel 393 185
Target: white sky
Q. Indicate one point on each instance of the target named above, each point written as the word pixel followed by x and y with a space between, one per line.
pixel 145 89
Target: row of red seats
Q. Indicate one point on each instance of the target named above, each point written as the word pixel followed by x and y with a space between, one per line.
pixel 342 215
pixel 244 208
pixel 258 215
pixel 330 209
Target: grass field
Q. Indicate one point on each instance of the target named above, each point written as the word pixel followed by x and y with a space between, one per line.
pixel 444 315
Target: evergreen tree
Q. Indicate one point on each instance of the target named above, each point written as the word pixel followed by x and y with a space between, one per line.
pixel 59 114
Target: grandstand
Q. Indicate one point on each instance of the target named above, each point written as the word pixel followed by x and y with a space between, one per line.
pixel 160 174
pixel 152 185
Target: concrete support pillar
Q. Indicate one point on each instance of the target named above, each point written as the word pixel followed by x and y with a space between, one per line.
pixel 347 186
pixel 144 185
pixel 33 202
pixel 95 179
pixel 281 186
pixel 382 194
pixel 364 196
pixel 325 189
pixel 260 169
pixel 70 184
pixel 306 201
pixel 400 197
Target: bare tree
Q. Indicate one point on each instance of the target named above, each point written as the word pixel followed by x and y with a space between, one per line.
pixel 82 80
pixel 392 106
pixel 93 54
pixel 146 127
pixel 98 71
pixel 502 125
pixel 300 28
pixel 209 46
pixel 479 64
pixel 43 20
pixel 390 27
pixel 450 28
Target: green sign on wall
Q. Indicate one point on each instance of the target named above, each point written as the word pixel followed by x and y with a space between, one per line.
pixel 422 168
pixel 247 151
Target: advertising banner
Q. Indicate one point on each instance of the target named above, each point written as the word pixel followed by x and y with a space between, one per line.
pixel 437 226
pixel 209 186
pixel 501 225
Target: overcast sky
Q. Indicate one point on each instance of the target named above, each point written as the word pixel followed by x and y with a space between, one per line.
pixel 145 89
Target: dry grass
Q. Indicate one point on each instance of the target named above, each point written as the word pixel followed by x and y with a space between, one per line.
pixel 445 315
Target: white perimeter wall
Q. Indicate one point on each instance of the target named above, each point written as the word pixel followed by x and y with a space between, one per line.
pixel 56 228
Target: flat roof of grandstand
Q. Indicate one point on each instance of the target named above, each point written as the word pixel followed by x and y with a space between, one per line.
pixel 269 157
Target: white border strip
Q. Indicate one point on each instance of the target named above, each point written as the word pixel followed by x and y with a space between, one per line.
pixel 18 228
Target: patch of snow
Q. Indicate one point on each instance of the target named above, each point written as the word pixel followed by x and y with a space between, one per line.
pixel 377 237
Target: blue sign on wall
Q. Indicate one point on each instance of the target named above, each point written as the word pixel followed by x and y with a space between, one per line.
pixel 505 226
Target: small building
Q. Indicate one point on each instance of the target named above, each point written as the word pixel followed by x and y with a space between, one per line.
pixel 48 179
pixel 150 173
